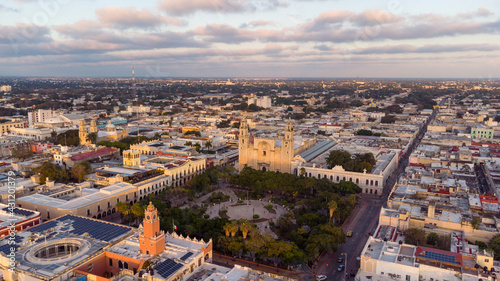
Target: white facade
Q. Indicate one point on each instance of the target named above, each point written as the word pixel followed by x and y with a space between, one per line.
pixel 39 115
pixel 138 109
pixel 264 102
pixel 5 88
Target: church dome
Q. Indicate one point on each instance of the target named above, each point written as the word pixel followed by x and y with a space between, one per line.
pixel 110 127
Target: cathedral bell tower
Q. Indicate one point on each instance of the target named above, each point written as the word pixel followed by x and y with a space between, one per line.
pixel 82 132
pixel 287 148
pixel 243 144
pixel 152 239
pixel 93 126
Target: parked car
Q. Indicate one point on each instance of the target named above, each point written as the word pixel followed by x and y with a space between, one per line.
pixel 340 259
pixel 320 277
pixel 340 268
pixel 349 233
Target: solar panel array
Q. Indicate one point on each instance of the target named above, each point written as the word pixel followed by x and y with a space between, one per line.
pixel 77 225
pixel 96 229
pixel 6 248
pixel 18 211
pixel 440 257
pixel 167 268
pixel 42 227
pixel 186 256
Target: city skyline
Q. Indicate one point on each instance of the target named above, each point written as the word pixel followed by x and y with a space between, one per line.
pixel 238 38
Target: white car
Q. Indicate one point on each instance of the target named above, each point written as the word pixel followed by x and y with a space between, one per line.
pixel 320 277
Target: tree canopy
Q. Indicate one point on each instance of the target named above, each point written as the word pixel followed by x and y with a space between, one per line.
pixel 355 164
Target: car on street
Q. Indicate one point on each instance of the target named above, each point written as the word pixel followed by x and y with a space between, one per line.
pixel 320 277
pixel 340 268
pixel 340 259
pixel 349 233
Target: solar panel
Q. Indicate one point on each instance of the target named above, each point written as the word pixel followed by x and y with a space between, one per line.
pixel 186 256
pixel 168 267
pixel 439 257
pixel 18 211
pixel 42 227
pixel 97 230
pixel 6 248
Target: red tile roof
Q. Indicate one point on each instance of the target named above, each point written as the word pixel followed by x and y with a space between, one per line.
pixel 91 154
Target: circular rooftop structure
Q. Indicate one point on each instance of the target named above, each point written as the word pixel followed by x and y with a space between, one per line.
pixel 57 251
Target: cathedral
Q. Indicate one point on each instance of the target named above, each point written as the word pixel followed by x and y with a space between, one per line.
pixel 109 134
pixel 269 154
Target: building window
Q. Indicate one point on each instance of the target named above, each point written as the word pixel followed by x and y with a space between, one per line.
pixel 98 208
pixel 88 212
pixel 264 153
pixel 120 264
pixel 110 262
pixel 486 260
pixel 90 267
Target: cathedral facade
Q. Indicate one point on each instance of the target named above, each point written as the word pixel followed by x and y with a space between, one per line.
pixel 266 154
pixel 110 133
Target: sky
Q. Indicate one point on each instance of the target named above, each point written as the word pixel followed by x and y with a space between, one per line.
pixel 250 38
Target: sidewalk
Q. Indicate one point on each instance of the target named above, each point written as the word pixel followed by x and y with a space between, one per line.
pixel 261 267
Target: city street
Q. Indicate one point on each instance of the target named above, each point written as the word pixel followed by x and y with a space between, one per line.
pixel 364 220
pixel 362 223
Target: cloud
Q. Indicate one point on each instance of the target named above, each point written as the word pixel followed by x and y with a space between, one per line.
pixel 430 48
pixel 186 7
pixel 256 23
pixel 4 8
pixel 24 33
pixel 183 7
pixel 479 13
pixel 130 17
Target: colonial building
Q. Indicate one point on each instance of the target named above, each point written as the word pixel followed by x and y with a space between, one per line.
pixel 78 248
pixel 110 133
pixel 269 154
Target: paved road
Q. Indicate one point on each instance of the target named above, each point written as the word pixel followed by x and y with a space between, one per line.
pixel 364 219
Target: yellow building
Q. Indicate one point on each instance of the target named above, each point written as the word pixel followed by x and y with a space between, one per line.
pixel 109 134
pixel 187 129
pixel 7 127
pixel 267 154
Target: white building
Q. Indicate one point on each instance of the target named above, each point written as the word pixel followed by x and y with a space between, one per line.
pixel 40 115
pixel 5 88
pixel 386 260
pixel 264 102
pixel 138 109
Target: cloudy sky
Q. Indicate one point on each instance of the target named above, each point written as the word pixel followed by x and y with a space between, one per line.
pixel 250 38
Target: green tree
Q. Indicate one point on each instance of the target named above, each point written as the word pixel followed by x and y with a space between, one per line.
pixel 338 157
pixel 494 244
pixel 231 228
pixel 332 206
pixel 415 236
pixel 475 223
pixel 244 227
pixel 208 145
pixel 137 210
pixel 92 137
pixel 364 132
pixel 432 239
pixel 388 119
pixel 123 208
pixel 51 171
pixel 80 170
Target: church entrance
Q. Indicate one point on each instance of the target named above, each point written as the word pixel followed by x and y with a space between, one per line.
pixel 264 169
